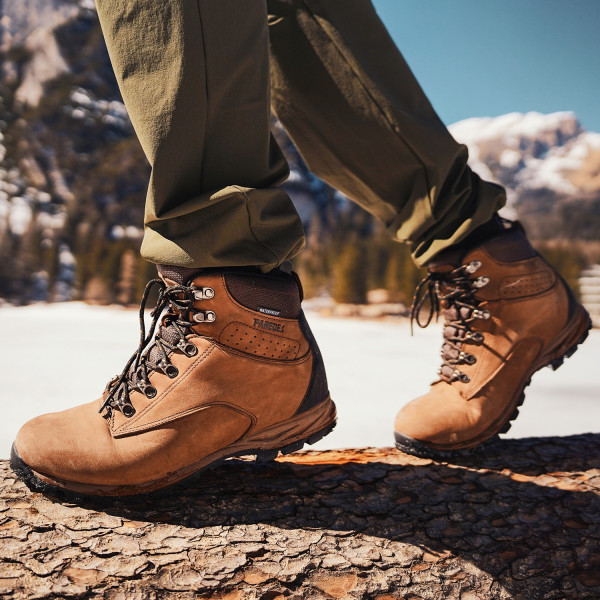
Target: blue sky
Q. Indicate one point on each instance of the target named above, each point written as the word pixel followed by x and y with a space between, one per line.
pixel 490 57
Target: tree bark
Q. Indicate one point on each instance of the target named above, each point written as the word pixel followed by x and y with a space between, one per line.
pixel 520 519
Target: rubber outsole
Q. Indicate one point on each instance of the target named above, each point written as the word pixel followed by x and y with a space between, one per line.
pixel 417 448
pixel 35 484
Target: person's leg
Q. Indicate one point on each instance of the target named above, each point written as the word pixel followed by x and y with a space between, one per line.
pixel 349 101
pixel 353 107
pixel 233 368
pixel 194 78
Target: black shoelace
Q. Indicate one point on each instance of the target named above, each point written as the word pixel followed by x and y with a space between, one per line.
pixel 454 292
pixel 170 337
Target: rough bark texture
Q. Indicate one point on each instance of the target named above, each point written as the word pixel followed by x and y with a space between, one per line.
pixel 519 520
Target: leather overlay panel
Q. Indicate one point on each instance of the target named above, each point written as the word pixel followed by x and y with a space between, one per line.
pixel 517 286
pixel 268 389
pixel 252 341
pixel 499 387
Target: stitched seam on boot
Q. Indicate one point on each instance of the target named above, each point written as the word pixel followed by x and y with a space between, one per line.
pixel 504 361
pixel 293 343
pixel 468 390
pixel 249 310
pixel 176 382
pixel 195 409
pixel 252 312
pixel 267 361
pixel 518 284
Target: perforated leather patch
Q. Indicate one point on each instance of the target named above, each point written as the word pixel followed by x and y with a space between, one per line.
pixel 526 285
pixel 250 340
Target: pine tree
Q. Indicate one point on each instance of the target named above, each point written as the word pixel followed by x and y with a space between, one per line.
pixel 126 283
pixel 350 274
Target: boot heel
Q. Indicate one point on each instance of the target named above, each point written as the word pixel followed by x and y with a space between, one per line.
pixel 566 349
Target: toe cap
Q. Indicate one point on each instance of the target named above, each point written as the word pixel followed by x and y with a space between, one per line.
pixel 441 418
pixel 60 444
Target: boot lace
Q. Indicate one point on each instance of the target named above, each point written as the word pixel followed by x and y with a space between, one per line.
pixel 454 293
pixel 171 337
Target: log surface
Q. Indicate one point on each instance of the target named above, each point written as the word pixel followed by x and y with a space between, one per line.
pixel 519 520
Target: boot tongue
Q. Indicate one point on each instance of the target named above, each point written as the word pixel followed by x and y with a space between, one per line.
pixel 170 335
pixel 172 275
pixel 508 244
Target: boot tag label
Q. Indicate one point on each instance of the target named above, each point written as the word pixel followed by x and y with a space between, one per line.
pixel 269 311
pixel 263 324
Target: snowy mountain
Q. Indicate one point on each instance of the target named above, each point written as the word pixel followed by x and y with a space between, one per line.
pixel 548 163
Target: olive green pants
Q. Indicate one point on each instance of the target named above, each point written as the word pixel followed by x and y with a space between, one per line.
pixel 199 78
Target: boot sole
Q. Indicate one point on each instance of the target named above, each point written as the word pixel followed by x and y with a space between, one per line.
pixel 576 334
pixel 290 436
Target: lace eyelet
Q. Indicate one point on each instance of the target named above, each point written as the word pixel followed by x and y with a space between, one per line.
pixel 461 376
pixel 469 359
pixel 128 410
pixel 172 371
pixel 481 314
pixel 150 391
pixel 204 316
pixel 190 350
pixel 473 266
pixel 481 281
pixel 204 293
pixel 475 336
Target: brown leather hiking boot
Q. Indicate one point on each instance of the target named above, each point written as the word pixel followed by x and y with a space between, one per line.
pixel 233 370
pixel 507 314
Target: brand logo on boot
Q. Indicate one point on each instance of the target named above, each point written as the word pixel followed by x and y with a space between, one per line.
pixel 263 324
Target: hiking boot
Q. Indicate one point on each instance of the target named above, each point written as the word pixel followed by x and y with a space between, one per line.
pixel 233 370
pixel 507 314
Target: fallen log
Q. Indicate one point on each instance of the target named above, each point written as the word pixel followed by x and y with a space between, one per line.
pixel 521 519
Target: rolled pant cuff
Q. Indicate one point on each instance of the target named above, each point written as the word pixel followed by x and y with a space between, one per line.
pixel 232 227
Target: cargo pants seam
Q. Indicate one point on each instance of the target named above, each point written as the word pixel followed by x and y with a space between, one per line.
pixel 374 101
pixel 205 84
pixel 251 230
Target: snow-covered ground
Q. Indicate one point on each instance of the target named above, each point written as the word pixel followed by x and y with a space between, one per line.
pixel 59 355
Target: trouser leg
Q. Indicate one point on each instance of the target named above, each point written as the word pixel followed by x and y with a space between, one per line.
pixel 194 76
pixel 349 101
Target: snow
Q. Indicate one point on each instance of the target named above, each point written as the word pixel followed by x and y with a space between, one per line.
pixel 48 221
pixel 87 4
pixel 111 112
pixel 19 216
pixel 513 126
pixel 81 96
pixel 510 159
pixel 45 64
pixel 547 173
pixel 544 149
pixel 62 355
pixel 133 233
pixel 130 232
